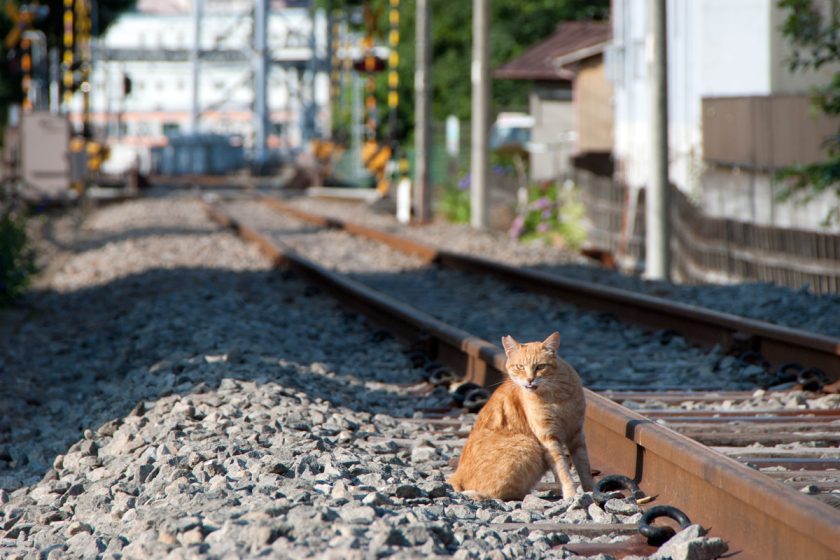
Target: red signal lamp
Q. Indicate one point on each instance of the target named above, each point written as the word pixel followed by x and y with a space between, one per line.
pixel 369 64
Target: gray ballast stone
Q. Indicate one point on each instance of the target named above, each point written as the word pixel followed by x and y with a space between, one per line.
pixel 600 516
pixel 358 514
pixel 691 544
pixel 621 507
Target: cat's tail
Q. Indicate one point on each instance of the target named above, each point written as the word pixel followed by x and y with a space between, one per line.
pixel 456 484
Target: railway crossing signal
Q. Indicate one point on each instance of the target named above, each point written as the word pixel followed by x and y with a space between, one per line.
pixel 369 64
pixel 22 19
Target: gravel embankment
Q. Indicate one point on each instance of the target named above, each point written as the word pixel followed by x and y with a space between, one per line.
pixel 758 300
pixel 170 396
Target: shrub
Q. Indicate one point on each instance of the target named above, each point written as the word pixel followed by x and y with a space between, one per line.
pixel 552 214
pixel 17 260
pixel 455 201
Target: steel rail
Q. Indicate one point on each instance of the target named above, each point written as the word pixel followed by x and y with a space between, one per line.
pixel 757 515
pixel 778 344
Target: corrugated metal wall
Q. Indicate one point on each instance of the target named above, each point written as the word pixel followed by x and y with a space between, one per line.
pixel 764 133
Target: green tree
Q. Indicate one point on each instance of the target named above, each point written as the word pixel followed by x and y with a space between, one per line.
pixel 813 28
pixel 515 26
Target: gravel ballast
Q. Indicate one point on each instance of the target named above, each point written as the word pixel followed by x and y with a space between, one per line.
pixel 168 395
pixel 759 300
pixel 606 352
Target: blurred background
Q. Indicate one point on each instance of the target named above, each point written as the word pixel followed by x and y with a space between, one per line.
pixel 101 97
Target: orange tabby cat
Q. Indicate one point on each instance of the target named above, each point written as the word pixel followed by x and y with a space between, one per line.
pixel 521 431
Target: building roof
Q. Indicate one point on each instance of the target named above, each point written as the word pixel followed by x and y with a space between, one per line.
pixel 572 38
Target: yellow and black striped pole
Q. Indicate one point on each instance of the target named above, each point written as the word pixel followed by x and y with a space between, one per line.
pixel 26 69
pixel 370 88
pixel 393 64
pixel 369 68
pixel 67 60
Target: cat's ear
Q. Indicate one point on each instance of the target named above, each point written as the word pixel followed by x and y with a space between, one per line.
pixel 510 344
pixel 552 343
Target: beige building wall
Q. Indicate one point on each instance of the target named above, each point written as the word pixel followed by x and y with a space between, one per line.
pixel 594 107
pixel 553 136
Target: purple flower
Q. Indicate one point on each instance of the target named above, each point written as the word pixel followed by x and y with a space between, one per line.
pixel 498 170
pixel 546 214
pixel 516 227
pixel 464 183
pixel 543 227
pixel 542 204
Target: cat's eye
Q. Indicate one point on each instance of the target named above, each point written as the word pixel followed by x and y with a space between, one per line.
pixel 540 367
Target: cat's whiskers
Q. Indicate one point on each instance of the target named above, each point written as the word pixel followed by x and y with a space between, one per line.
pixel 494 385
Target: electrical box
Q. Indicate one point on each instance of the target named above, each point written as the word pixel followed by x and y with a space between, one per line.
pixel 45 167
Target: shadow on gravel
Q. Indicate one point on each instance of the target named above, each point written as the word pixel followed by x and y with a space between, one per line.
pixel 100 240
pixel 83 358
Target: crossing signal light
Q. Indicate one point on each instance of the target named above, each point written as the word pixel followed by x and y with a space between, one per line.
pixel 369 64
pixel 126 86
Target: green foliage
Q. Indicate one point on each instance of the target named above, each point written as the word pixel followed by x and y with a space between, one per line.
pixel 454 202
pixel 17 261
pixel 516 25
pixel 814 35
pixel 552 215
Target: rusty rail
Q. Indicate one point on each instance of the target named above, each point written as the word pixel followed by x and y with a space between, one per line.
pixel 755 514
pixel 775 342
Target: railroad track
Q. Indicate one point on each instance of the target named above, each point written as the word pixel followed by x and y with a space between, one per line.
pixel 774 343
pixel 717 491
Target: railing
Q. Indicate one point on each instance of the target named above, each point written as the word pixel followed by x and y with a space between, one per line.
pixel 706 249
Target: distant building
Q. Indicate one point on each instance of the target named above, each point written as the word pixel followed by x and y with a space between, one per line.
pixel 148 50
pixel 736 112
pixel 570 100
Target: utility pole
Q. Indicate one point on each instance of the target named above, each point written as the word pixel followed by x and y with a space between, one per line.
pixel 308 75
pixel 480 75
pixel 55 84
pixel 260 62
pixel 657 219
pixel 422 116
pixel 195 54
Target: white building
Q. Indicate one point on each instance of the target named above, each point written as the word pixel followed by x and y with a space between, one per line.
pixel 729 59
pixel 151 46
